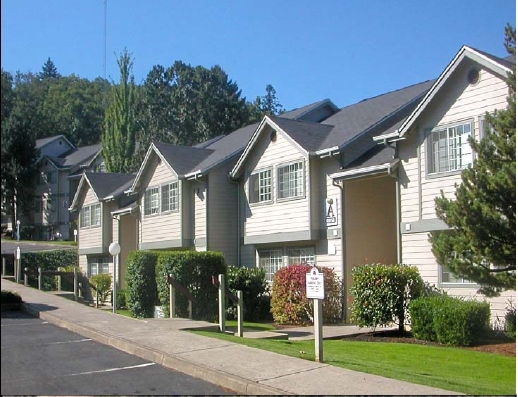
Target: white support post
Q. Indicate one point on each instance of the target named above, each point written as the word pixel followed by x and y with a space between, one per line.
pixel 240 314
pixel 172 300
pixel 221 302
pixel 25 277
pixel 318 322
pixel 40 277
pixel 76 285
pixel 59 283
pixel 190 310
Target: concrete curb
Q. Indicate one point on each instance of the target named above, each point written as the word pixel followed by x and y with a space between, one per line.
pixel 220 378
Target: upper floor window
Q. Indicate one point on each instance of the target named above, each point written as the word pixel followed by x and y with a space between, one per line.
pixel 170 197
pixel 101 167
pixel 38 205
pixel 449 149
pixel 84 218
pixel 291 180
pixel 90 216
pixel 261 186
pixel 151 201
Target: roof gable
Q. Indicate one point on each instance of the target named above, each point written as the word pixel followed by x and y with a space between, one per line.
pixel 104 185
pixel 498 65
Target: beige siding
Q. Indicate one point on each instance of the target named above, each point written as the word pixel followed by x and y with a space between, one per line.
pixel 200 212
pixel 222 211
pixel 457 102
pixel 125 233
pixel 159 227
pixel 56 148
pixel 278 216
pixel 90 237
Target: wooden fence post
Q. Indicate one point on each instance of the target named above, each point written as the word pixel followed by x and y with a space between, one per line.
pixel 75 284
pixel 40 278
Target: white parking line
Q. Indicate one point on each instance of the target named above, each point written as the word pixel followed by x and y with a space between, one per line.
pixel 54 343
pixel 24 324
pixel 112 369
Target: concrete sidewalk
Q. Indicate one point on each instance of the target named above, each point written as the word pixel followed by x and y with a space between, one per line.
pixel 242 369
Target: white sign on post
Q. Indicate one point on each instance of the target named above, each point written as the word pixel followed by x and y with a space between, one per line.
pixel 315 284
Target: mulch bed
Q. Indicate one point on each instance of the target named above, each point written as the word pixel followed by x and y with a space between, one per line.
pixel 498 345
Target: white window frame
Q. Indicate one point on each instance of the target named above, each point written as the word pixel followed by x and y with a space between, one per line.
pixel 260 186
pixel 305 256
pixel 152 201
pixel 448 149
pixel 294 186
pixel 271 260
pixel 98 265
pixel 170 197
pixel 84 218
pixel 95 213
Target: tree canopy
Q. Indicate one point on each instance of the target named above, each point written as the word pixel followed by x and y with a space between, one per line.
pixel 481 243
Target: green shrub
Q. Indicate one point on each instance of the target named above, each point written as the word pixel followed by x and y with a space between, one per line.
pixel 449 320
pixel 102 284
pixel 510 322
pixel 10 297
pixel 47 260
pixel 67 282
pixel 193 270
pixel 289 304
pixel 256 300
pixel 141 284
pixel 381 294
pixel 121 299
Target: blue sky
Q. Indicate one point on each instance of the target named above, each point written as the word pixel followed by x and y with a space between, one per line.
pixel 345 50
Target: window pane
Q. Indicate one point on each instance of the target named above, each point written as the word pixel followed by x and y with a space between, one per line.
pixel 297 256
pixel 253 188
pixel 170 197
pixel 291 180
pixel 96 215
pixel 449 149
pixel 151 201
pixel 271 262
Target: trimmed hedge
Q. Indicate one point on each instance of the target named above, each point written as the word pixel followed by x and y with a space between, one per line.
pixel 256 298
pixel 289 304
pixel 449 320
pixel 10 297
pixel 381 294
pixel 194 271
pixel 140 283
pixel 47 260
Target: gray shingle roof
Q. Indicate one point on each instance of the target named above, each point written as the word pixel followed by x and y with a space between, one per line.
pixel 106 184
pixel 354 120
pixel 181 158
pixel 300 112
pixel 82 155
pixel 308 135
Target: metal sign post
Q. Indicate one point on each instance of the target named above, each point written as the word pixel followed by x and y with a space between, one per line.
pixel 315 291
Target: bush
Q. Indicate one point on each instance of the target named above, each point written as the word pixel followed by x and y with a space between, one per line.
pixel 510 322
pixel 256 300
pixel 121 299
pixel 47 260
pixel 141 284
pixel 449 320
pixel 381 294
pixel 194 271
pixel 289 304
pixel 102 284
pixel 10 297
pixel 67 282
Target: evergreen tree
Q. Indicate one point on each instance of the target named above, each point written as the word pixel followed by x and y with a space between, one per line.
pixel 481 242
pixel 118 139
pixel 49 70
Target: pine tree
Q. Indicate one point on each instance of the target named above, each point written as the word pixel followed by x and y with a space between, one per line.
pixel 49 70
pixel 118 139
pixel 481 242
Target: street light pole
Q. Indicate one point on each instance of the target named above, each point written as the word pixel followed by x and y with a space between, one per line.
pixel 18 230
pixel 115 250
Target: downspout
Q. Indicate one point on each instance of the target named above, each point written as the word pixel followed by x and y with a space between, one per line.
pixel 344 275
pixel 238 218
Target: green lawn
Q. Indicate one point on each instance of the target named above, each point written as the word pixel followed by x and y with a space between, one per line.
pixel 454 369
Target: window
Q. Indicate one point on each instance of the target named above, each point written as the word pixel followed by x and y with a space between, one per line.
pixel 449 278
pixel 49 207
pixel 261 186
pixel 51 177
pixel 170 197
pixel 96 215
pixel 151 201
pixel 448 149
pixel 84 218
pixel 101 167
pixel 271 262
pixel 298 256
pixel 291 180
pixel 38 204
pixel 100 265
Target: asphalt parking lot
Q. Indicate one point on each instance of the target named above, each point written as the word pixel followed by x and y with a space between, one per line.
pixel 39 358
